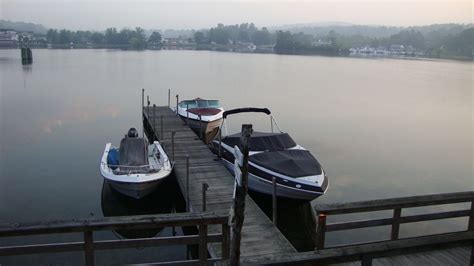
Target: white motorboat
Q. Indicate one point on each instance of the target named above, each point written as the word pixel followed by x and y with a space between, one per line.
pixel 297 173
pixel 203 116
pixel 135 168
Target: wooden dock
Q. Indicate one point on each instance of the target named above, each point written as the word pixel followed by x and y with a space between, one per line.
pixel 259 236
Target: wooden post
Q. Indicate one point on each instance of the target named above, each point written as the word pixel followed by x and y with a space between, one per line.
pixel 142 112
pixel 320 231
pixel 89 247
pixel 200 127
pixel 148 108
pixel 177 100
pixel 274 201
pixel 239 200
pixel 172 144
pixel 225 242
pixel 205 186
pixel 470 226
pixel 187 113
pixel 396 223
pixel 187 183
pixel 154 123
pixel 220 143
pixel 161 128
pixel 203 244
pixel 169 97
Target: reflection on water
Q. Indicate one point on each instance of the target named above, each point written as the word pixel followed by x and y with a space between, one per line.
pixel 161 201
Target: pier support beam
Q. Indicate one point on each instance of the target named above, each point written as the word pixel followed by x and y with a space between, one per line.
pixel 239 200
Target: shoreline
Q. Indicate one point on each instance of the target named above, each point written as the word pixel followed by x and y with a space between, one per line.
pixel 238 49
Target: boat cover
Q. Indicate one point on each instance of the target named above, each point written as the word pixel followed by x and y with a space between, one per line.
pixel 133 152
pixel 261 141
pixel 293 163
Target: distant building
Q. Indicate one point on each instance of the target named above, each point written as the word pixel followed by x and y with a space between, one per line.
pixel 320 42
pixel 397 48
pixel 8 37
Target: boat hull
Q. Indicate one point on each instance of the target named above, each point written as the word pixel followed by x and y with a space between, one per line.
pixel 261 185
pixel 135 190
pixel 206 130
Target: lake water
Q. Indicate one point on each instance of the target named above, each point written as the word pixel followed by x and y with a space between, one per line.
pixel 380 127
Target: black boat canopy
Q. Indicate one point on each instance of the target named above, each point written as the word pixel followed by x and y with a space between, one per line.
pixel 260 141
pixel 132 152
pixel 293 163
pixel 246 110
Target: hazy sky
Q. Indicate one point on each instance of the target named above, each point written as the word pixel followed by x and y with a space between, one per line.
pixel 100 14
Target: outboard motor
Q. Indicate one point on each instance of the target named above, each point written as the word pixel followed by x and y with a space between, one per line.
pixel 132 133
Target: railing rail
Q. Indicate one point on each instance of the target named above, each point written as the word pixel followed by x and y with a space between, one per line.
pixel 88 227
pixel 396 205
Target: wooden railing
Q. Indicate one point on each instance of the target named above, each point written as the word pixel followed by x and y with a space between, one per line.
pixel 88 227
pixel 396 205
pixel 365 252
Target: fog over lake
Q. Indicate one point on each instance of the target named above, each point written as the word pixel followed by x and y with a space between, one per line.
pixel 380 127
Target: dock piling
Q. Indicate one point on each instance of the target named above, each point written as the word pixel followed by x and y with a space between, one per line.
pixel 169 97
pixel 220 143
pixel 143 114
pixel 200 127
pixel 161 127
pixel 26 56
pixel 187 114
pixel 89 247
pixel 321 231
pixel 274 201
pixel 172 144
pixel 154 122
pixel 187 183
pixel 205 186
pixel 177 101
pixel 239 199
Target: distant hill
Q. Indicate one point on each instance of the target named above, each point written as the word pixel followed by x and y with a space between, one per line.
pixel 22 26
pixel 371 31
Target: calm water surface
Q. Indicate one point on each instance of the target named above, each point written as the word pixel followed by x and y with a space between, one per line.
pixel 380 127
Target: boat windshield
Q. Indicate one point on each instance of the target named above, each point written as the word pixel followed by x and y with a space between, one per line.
pixel 190 104
pixel 200 104
pixel 214 103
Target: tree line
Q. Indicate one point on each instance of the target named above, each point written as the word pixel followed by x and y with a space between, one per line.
pixel 445 40
pixel 126 38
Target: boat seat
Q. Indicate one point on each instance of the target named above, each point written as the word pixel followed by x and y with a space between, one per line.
pixel 133 152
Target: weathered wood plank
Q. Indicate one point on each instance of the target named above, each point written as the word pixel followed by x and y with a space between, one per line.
pixel 112 223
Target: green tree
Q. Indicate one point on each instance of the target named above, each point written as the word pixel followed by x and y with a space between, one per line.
pixel 262 37
pixel 199 37
pixel 155 38
pixel 52 36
